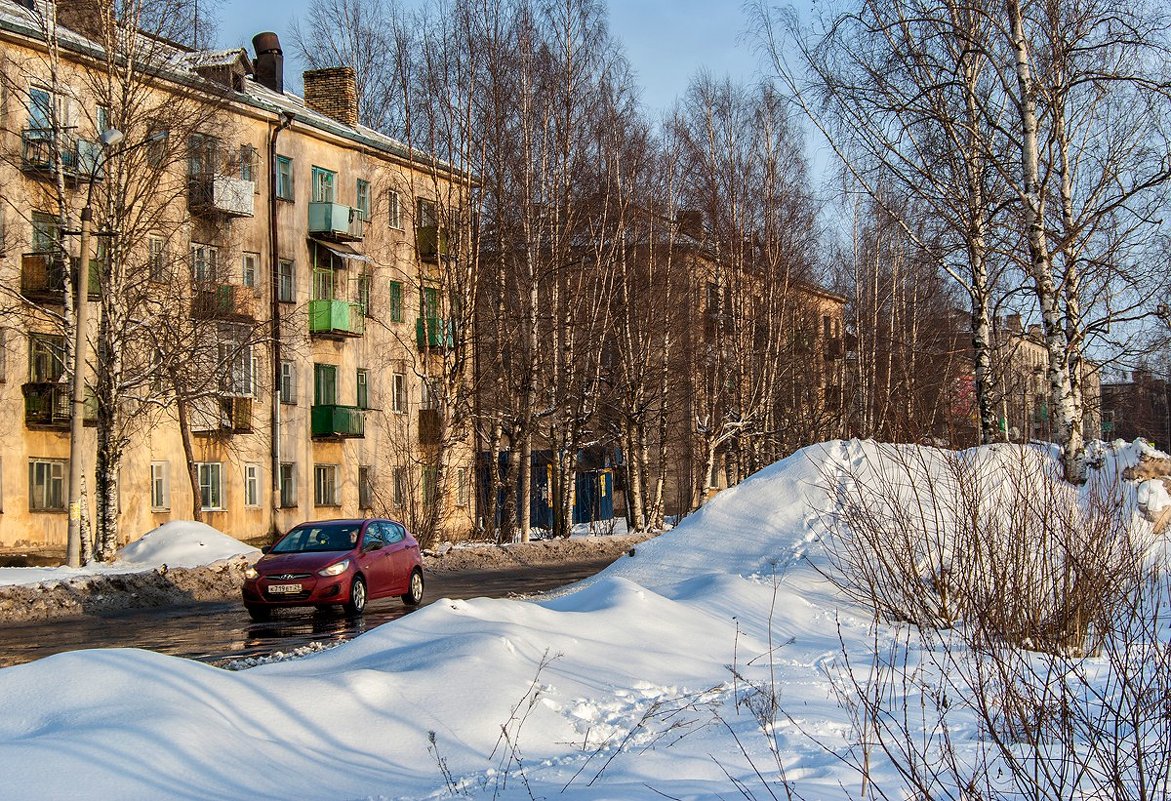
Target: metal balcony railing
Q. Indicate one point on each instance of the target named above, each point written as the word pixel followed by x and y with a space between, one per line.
pixel 336 222
pixel 332 420
pixel 336 319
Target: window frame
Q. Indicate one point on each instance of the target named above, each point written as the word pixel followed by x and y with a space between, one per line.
pixel 323 186
pixel 362 388
pixel 362 198
pixel 320 371
pixel 288 485
pixel 397 312
pixel 286 287
pixel 51 495
pixel 288 382
pixel 249 269
pixel 252 486
pixel 365 487
pixel 214 486
pixel 286 186
pixel 395 210
pixel 398 393
pixel 160 486
pixel 326 487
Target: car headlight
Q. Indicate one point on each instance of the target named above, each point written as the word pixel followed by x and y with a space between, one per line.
pixel 250 572
pixel 336 569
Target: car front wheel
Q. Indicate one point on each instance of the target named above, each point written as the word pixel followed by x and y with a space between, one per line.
pixel 357 600
pixel 414 594
pixel 259 614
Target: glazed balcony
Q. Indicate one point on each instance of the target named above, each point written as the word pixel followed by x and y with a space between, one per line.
pixel 42 277
pixel 231 415
pixel 41 153
pixel 336 319
pixel 330 421
pixel 335 222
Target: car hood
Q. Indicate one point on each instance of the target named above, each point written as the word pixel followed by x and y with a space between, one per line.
pixel 307 562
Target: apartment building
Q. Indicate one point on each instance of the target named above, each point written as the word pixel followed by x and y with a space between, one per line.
pixel 286 301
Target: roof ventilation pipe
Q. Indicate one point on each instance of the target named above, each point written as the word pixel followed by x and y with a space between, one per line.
pixel 269 64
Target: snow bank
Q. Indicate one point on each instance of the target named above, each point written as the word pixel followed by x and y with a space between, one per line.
pixel 632 685
pixel 180 543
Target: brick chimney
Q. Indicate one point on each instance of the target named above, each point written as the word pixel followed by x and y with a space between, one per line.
pixel 333 91
pixel 87 17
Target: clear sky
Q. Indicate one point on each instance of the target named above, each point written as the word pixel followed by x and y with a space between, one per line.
pixel 667 41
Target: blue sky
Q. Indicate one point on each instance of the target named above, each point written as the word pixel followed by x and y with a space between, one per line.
pixel 667 41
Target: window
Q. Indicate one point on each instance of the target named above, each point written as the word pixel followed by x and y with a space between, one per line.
pixel 430 303
pixel 324 384
pixel 363 380
pixel 160 486
pixel 247 163
pixel 249 267
pixel 396 301
pixel 46 358
pixel 286 290
pixel 425 215
pixel 325 489
pixel 398 393
pixel 204 260
pixel 430 486
pixel 288 382
pixel 46 485
pixel 235 358
pixel 284 178
pixel 362 195
pixel 400 487
pixel 157 260
pixel 365 488
pixel 40 110
pixel 396 210
pixel 252 485
pixel 202 155
pixel 323 185
pixel 461 486
pixel 322 284
pixel 3 355
pixel 363 286
pixel 46 233
pixel 429 394
pixel 288 481
pixel 211 485
pixel 156 148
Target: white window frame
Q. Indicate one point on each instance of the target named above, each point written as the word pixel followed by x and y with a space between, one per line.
pixel 204 262
pixel 211 476
pixel 160 486
pixel 398 393
pixel 48 496
pixel 395 217
pixel 252 485
pixel 326 491
pixel 288 382
pixel 249 269
pixel 286 281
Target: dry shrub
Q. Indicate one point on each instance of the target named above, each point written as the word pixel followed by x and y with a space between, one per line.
pixel 994 538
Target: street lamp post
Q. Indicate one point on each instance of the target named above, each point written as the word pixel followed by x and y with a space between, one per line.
pixel 108 139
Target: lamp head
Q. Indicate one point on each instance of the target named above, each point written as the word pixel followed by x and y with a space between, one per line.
pixel 111 137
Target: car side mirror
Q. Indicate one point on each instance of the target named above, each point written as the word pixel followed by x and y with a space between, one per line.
pixel 266 549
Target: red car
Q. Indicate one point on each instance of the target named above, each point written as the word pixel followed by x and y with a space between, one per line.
pixel 329 562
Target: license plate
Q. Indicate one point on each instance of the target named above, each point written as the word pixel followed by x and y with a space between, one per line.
pixel 277 589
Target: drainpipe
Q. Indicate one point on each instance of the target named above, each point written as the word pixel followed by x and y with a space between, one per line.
pixel 284 121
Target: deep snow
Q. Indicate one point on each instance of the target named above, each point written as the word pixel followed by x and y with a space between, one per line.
pixel 623 687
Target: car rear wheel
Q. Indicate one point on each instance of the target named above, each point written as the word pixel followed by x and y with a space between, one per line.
pixel 259 613
pixel 414 594
pixel 357 600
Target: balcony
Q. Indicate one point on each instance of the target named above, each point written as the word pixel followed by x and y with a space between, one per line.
pixel 431 242
pixel 42 277
pixel 330 421
pixel 48 405
pixel 335 222
pixel 833 349
pixel 428 426
pixel 434 333
pixel 224 302
pixel 40 154
pixel 336 319
pixel 223 417
pixel 221 195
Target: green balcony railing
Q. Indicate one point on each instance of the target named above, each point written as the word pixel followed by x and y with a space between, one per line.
pixel 434 333
pixel 331 420
pixel 336 318
pixel 50 405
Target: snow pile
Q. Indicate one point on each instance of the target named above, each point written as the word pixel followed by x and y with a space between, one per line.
pixel 644 682
pixel 180 543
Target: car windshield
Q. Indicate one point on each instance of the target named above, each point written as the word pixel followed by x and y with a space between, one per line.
pixel 336 537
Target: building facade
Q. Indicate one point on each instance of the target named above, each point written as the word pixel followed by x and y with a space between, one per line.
pixel 283 310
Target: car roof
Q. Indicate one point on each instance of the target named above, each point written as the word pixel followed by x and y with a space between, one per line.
pixel 357 521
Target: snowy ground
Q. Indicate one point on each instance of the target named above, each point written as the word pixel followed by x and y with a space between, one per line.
pixel 182 543
pixel 634 685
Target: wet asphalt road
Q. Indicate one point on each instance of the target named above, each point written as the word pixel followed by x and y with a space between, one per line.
pixel 221 632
